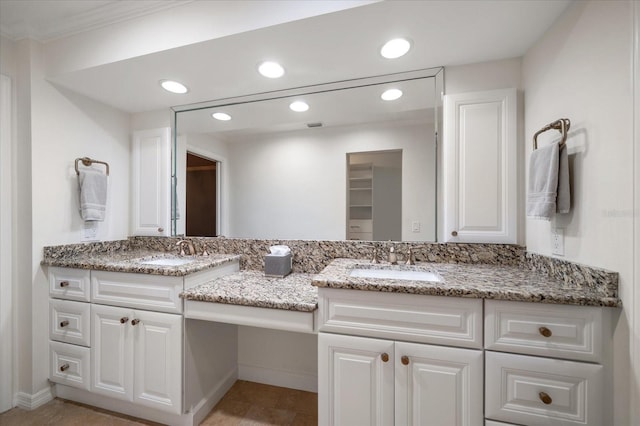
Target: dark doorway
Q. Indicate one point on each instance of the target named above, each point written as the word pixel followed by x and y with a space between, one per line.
pixel 201 194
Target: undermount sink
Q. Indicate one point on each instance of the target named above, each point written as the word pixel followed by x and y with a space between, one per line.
pixel 167 261
pixel 395 274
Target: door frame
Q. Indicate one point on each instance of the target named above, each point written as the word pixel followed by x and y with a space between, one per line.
pixel 221 179
pixel 7 313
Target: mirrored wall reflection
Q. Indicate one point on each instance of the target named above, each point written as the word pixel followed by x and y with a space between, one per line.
pixel 280 163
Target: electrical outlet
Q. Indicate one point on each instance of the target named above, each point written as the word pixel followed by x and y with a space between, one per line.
pixel 415 226
pixel 557 241
pixel 90 231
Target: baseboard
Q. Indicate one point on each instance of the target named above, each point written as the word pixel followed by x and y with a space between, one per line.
pixel 32 401
pixel 284 378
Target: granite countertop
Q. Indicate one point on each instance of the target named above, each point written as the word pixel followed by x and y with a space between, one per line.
pixel 133 261
pixel 468 280
pixel 251 288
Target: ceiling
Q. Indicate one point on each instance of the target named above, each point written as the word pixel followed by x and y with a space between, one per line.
pixel 325 48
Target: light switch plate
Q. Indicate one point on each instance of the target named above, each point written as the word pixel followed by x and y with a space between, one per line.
pixel 557 241
pixel 415 226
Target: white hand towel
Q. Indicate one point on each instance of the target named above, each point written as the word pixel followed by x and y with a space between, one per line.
pixel 548 188
pixel 93 195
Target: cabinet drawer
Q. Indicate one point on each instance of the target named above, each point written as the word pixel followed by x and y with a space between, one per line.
pixel 69 364
pixel 542 391
pixel 70 321
pixel 572 332
pixel 424 319
pixel 360 225
pixel 142 291
pixel 361 236
pixel 68 283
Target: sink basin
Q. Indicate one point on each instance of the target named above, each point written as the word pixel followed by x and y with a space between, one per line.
pixel 395 274
pixel 167 261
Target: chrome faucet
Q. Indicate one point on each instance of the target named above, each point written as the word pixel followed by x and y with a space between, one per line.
pixel 393 257
pixel 189 245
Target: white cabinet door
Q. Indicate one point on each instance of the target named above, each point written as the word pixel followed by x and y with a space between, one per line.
pixel 437 385
pixel 480 167
pixel 157 360
pixel 112 352
pixel 355 380
pixel 151 182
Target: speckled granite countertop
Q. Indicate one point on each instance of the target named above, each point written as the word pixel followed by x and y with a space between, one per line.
pixel 133 261
pixel 467 280
pixel 251 288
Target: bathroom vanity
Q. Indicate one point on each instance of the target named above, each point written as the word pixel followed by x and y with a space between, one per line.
pixel 458 344
pixel 480 334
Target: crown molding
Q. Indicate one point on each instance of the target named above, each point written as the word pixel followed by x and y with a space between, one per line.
pixel 107 14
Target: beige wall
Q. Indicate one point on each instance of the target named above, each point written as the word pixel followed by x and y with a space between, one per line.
pixel 581 69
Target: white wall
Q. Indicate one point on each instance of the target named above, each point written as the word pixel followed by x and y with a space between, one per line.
pixel 581 69
pixel 292 185
pixel 55 127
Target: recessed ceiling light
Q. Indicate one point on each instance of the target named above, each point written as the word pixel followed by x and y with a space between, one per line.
pixel 299 106
pixel 271 69
pixel 395 48
pixel 221 116
pixel 173 86
pixel 391 94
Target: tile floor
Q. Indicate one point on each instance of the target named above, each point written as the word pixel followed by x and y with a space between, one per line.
pixel 246 404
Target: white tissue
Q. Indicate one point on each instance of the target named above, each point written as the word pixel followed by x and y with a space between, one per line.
pixel 280 250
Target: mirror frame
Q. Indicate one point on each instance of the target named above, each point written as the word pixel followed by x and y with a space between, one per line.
pixel 437 73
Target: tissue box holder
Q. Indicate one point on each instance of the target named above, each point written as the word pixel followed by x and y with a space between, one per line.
pixel 277 266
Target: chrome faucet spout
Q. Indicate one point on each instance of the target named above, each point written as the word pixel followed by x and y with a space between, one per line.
pixel 189 245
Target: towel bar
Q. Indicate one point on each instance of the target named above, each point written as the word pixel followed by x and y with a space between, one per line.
pixel 562 125
pixel 86 161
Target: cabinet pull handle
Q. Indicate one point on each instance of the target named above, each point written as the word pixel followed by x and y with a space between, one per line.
pixel 545 398
pixel 404 360
pixel 64 367
pixel 545 331
pixel 384 357
pixel 64 323
pixel 454 233
pixel 124 320
pixel 64 284
pixel 135 321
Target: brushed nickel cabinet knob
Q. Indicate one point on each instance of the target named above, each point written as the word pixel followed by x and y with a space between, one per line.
pixel 160 229
pixel 64 284
pixel 135 321
pixel 124 320
pixel 64 367
pixel 64 323
pixel 454 233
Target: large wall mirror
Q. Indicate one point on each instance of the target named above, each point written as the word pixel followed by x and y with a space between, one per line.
pixel 351 165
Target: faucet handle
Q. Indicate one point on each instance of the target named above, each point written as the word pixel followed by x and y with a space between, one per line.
pixel 204 250
pixel 410 259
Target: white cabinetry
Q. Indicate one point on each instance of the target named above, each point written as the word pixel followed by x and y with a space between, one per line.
pixel 372 381
pixel 137 356
pixel 151 182
pixel 543 389
pixel 480 167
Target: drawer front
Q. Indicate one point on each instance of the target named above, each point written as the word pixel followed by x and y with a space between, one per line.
pixel 542 391
pixel 68 283
pixel 141 291
pixel 572 332
pixel 424 319
pixel 360 225
pixel 70 321
pixel 361 236
pixel 69 364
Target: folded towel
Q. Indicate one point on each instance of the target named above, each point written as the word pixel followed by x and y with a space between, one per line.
pixel 93 195
pixel 548 188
